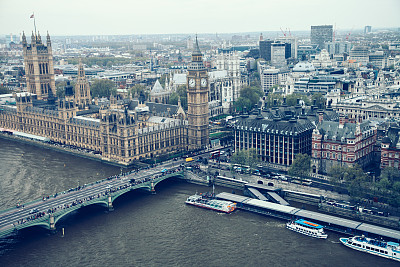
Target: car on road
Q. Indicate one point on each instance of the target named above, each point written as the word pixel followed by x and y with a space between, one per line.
pixel 33 211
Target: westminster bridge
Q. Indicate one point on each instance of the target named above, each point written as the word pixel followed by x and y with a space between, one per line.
pixel 46 212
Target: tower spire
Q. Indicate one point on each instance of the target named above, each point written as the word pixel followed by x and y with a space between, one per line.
pixel 23 38
pixel 81 70
pixel 197 48
pixel 48 39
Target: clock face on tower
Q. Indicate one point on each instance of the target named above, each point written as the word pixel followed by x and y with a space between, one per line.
pixel 203 82
pixel 191 82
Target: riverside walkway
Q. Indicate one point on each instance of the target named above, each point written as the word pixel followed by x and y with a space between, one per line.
pixel 46 212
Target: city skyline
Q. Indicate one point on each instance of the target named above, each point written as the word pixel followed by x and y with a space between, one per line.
pixel 203 16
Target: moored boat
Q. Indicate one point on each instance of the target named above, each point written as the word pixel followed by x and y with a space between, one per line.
pixel 307 228
pixel 208 201
pixel 389 250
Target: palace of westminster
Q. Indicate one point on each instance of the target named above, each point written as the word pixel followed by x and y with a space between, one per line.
pixel 121 130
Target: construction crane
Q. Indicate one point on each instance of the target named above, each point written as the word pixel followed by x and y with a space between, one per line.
pixel 284 33
pixel 348 35
pixel 334 33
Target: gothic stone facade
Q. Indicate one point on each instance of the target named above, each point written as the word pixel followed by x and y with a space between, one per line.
pixel 38 60
pixel 117 133
pixel 197 98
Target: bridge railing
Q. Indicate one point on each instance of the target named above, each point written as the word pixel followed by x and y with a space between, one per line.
pixel 60 210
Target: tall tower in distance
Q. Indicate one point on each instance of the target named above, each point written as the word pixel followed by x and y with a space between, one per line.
pixel 197 98
pixel 321 34
pixel 39 69
pixel 82 89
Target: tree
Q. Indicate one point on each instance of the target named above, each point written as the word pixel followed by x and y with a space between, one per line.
pixel 255 79
pixel 384 184
pixel 291 100
pixel 389 185
pixel 102 88
pixel 274 100
pixel 162 79
pixel 301 166
pixel 241 104
pixel 181 92
pixel 60 88
pixel 139 89
pixel 391 174
pixel 358 183
pixel 337 174
pixel 249 97
pixel 273 88
pixel 319 99
pixel 4 90
pixel 248 157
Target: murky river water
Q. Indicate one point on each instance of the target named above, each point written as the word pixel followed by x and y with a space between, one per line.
pixel 148 230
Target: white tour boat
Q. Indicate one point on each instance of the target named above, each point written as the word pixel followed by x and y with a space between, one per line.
pixel 307 228
pixel 390 250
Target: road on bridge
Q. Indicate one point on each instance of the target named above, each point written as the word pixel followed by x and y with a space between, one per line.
pixel 15 218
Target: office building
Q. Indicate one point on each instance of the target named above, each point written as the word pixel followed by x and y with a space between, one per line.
pixel 278 59
pixel 269 78
pixel 321 35
pixel 360 54
pixel 277 140
pixel 265 49
pixel 292 41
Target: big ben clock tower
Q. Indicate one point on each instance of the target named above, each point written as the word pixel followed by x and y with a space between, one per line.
pixel 197 98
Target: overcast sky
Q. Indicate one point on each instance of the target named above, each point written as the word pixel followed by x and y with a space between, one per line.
pixel 108 17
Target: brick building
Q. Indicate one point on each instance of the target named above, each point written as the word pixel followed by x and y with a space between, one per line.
pixel 342 143
pixel 390 148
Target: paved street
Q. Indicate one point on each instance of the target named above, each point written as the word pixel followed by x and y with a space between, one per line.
pixel 36 210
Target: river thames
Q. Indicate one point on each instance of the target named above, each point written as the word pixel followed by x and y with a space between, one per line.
pixel 145 229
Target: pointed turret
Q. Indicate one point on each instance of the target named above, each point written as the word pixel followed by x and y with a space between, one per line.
pixel 38 38
pixel 33 39
pixel 23 39
pixel 81 70
pixel 48 39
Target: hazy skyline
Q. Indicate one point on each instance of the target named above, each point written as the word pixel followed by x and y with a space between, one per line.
pixel 120 17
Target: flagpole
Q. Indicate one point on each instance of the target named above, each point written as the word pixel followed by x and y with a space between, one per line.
pixel 34 22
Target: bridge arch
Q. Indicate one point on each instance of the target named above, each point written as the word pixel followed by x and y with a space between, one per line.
pixel 42 224
pixel 102 202
pixel 48 222
pixel 114 196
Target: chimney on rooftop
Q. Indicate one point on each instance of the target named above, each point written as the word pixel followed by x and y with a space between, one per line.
pixel 320 117
pixel 342 121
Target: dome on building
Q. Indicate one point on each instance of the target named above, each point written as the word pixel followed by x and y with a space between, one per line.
pixel 303 67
